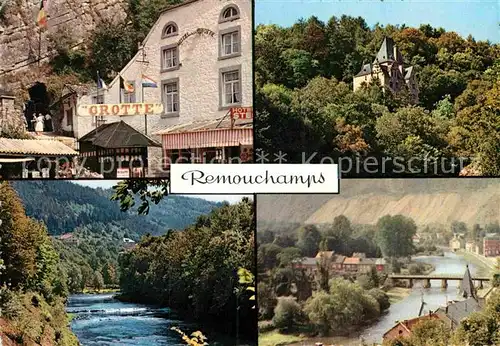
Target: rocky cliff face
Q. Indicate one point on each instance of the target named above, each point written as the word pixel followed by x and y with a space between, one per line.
pixel 427 201
pixel 74 19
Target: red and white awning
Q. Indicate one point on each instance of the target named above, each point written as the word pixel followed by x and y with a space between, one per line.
pixel 208 139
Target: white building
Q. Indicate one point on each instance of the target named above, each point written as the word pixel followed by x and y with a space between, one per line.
pixel 200 55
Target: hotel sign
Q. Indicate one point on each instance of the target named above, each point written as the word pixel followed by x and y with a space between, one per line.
pixel 198 31
pixel 120 109
pixel 241 113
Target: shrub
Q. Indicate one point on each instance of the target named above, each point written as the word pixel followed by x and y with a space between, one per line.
pixel 287 314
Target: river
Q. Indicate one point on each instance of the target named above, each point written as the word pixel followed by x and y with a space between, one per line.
pixel 99 319
pixel 409 307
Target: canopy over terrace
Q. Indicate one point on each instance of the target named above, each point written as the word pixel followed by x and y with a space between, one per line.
pixel 209 141
pixel 116 150
pixel 34 155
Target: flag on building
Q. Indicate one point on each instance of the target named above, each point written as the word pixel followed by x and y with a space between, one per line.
pixel 129 87
pixel 100 82
pixel 148 82
pixel 42 15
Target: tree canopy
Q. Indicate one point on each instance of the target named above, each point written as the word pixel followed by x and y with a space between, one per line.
pixel 305 103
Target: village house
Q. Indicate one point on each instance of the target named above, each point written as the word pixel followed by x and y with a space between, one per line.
pixel 192 76
pixel 470 246
pixel 338 263
pixel 456 311
pixel 128 243
pixel 366 264
pixel 69 238
pixel 380 264
pixel 388 68
pixel 451 314
pixel 308 264
pixel 457 242
pixel 403 329
pixel 491 246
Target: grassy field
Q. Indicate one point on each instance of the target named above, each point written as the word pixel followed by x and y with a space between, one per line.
pixel 275 338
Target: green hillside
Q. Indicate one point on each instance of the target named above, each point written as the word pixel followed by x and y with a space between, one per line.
pixel 64 206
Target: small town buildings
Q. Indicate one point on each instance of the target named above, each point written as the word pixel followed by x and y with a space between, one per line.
pixel 351 264
pixel 456 311
pixel 338 263
pixel 403 329
pixel 451 314
pixel 308 264
pixel 491 246
pixel 69 238
pixel 388 68
pixel 366 264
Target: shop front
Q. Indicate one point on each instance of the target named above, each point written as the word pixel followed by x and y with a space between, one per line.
pixel 116 150
pixel 32 158
pixel 210 141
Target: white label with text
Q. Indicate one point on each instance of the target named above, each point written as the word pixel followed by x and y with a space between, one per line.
pixel 254 178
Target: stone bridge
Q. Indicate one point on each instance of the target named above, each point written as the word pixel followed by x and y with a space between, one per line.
pixel 443 277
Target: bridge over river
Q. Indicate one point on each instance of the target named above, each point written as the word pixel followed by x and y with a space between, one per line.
pixel 443 277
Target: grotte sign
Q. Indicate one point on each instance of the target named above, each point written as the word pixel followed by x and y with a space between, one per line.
pixel 120 109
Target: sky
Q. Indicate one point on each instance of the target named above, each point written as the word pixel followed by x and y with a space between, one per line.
pixel 480 18
pixel 107 184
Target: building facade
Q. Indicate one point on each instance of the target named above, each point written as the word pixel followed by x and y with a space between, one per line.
pixel 457 242
pixel 199 54
pixel 491 246
pixel 388 67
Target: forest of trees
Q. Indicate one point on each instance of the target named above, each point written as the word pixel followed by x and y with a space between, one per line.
pixel 64 206
pixel 196 270
pixel 32 280
pixel 99 226
pixel 305 103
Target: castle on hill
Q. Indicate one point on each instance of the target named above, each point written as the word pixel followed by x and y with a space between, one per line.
pixel 388 67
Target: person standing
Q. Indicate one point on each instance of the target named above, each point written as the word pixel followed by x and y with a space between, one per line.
pixel 39 124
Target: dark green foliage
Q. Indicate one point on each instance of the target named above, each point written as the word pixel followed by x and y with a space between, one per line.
pixel 305 103
pixel 394 235
pixel 196 270
pixel 32 279
pixel 287 314
pixel 67 206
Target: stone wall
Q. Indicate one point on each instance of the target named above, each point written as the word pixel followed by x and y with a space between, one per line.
pixel 11 118
pixel 19 33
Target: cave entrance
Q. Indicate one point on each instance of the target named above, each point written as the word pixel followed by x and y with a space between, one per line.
pixel 37 109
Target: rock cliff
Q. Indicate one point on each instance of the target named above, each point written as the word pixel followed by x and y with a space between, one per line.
pixel 427 201
pixel 20 35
